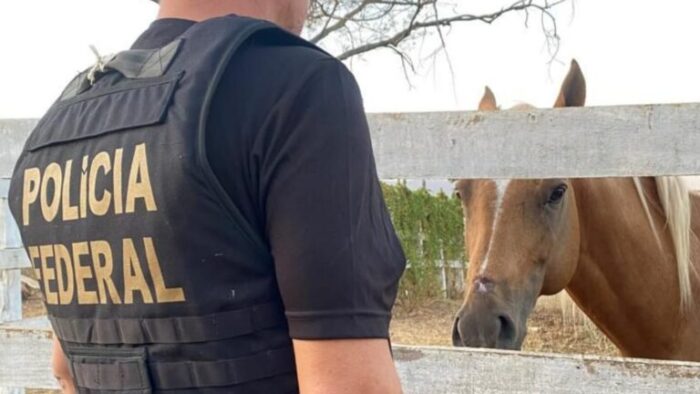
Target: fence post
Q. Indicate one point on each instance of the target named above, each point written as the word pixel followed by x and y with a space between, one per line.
pixel 443 274
pixel 10 279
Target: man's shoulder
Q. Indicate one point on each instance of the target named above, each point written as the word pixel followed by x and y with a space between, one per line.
pixel 283 64
pixel 289 50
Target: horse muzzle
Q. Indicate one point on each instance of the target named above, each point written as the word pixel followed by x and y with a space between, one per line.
pixel 481 323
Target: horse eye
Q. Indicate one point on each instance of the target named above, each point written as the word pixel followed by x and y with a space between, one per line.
pixel 557 194
pixel 458 194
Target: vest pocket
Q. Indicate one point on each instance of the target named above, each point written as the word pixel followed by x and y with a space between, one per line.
pixel 117 369
pixel 133 104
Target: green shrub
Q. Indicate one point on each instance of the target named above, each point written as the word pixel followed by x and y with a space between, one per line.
pixel 431 229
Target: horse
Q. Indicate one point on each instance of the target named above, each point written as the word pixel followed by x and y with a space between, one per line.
pixel 625 249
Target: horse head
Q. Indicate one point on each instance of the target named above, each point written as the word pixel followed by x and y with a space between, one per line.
pixel 523 241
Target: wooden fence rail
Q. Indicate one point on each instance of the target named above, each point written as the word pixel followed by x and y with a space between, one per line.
pixel 26 350
pixel 12 258
pixel 652 140
pixel 547 143
pixel 448 370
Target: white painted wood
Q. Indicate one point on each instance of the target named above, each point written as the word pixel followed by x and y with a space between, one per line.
pixel 13 133
pixel 14 258
pixel 4 186
pixel 550 143
pixel 9 232
pixel 446 370
pixel 11 391
pixel 25 357
pixel 10 295
pixel 40 323
pixel 538 143
pixel 26 349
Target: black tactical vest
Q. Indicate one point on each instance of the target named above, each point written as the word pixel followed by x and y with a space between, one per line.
pixel 152 279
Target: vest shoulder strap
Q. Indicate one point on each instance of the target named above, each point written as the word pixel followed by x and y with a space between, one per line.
pixel 239 36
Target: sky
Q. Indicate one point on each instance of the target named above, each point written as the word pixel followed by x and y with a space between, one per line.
pixel 631 52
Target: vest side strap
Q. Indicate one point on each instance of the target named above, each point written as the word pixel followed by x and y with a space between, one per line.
pixel 182 375
pixel 182 329
pixel 137 375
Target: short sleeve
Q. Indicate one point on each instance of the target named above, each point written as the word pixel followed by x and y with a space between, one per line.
pixel 337 258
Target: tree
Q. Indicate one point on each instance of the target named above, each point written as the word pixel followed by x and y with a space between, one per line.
pixel 356 27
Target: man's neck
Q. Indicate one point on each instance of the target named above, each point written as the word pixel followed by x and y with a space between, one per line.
pixel 198 10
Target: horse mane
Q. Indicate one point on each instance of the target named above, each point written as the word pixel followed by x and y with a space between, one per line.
pixel 675 201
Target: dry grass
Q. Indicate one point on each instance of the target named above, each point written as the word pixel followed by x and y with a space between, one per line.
pixel 33 306
pixel 551 328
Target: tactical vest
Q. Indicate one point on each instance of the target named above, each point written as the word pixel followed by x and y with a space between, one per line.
pixel 152 278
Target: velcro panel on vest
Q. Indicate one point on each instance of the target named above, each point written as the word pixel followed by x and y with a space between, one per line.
pixel 149 100
pixel 144 63
pixel 133 64
pixel 133 374
pixel 183 329
pixel 190 374
pixel 122 370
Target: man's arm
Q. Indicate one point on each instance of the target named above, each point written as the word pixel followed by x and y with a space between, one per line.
pixel 337 257
pixel 345 366
pixel 59 363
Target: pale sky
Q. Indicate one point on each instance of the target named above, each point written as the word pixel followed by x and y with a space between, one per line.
pixel 631 52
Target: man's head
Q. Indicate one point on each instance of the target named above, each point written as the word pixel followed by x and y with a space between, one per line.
pixel 289 14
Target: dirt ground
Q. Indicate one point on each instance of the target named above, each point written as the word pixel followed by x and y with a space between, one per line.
pixel 551 328
pixel 32 306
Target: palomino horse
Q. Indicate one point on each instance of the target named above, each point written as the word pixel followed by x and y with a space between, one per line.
pixel 623 248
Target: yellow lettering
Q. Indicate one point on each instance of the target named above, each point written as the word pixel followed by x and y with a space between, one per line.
pixel 85 297
pixel 64 271
pixel 48 274
pixel 99 207
pixel 50 208
pixel 133 275
pixel 69 212
pixel 139 185
pixel 34 256
pixel 163 294
pixel 30 192
pixel 104 265
pixel 117 178
pixel 83 188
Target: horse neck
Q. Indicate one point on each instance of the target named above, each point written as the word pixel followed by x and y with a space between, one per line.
pixel 625 281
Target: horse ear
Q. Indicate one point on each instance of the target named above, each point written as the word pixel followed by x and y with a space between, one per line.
pixel 573 89
pixel 488 102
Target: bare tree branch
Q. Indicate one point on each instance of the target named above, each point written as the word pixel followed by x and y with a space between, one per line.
pixel 356 27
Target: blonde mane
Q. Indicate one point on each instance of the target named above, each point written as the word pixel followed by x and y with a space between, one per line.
pixel 675 201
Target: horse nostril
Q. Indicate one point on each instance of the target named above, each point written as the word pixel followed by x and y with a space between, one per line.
pixel 507 332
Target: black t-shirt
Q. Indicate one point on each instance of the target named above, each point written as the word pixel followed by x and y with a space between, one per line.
pixel 288 139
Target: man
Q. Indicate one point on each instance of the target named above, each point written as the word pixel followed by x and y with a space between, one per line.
pixel 204 215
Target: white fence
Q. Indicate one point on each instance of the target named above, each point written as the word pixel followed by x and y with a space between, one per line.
pixel 572 142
